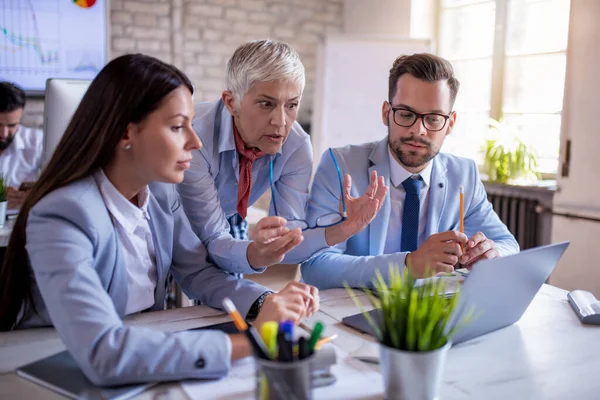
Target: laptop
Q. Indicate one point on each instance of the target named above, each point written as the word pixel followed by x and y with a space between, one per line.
pixel 499 290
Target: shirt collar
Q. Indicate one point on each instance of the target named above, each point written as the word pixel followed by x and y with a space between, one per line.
pixel 226 141
pixel 398 174
pixel 19 143
pixel 123 211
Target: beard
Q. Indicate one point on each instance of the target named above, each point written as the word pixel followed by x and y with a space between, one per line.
pixel 6 142
pixel 412 159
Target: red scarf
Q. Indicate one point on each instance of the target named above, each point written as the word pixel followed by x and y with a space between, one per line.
pixel 247 157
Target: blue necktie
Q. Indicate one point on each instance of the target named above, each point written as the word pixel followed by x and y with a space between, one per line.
pixel 410 214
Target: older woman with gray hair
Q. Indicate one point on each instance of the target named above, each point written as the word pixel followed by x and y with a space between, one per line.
pixel 252 142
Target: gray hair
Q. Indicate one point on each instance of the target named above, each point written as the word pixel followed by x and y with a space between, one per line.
pixel 262 61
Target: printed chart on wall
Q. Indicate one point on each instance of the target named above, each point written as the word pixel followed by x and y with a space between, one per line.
pixel 41 39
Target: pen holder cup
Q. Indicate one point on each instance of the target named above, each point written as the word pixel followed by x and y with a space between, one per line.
pixel 278 380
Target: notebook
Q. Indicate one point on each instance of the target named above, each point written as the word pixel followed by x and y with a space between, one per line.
pixel 226 327
pixel 60 373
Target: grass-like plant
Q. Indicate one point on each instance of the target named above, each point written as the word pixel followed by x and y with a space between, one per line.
pixel 411 318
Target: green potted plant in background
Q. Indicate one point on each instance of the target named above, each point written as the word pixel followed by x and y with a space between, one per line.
pixel 507 159
pixel 414 327
pixel 3 201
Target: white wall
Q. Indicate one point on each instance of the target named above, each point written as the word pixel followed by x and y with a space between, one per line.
pixel 580 266
pixel 423 19
pixel 337 100
pixel 407 18
pixel 382 17
pixel 579 193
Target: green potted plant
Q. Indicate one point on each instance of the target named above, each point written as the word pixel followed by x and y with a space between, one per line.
pixel 414 327
pixel 507 159
pixel 3 201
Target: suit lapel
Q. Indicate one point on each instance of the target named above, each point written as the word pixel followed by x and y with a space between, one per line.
pixel 437 197
pixel 380 162
pixel 118 288
pixel 114 280
pixel 156 219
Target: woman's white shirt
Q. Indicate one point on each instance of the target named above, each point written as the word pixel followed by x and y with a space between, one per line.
pixel 133 228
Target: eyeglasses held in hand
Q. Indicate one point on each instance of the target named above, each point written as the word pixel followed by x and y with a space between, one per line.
pixel 322 222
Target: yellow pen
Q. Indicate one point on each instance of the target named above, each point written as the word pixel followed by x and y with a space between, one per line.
pixel 268 332
pixel 462 211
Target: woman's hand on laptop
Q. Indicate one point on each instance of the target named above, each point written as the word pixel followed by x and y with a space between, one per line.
pixel 478 248
pixel 439 253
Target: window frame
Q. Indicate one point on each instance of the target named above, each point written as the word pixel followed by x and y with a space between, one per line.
pixel 499 57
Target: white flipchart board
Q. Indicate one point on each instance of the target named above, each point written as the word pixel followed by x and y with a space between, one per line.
pixel 352 84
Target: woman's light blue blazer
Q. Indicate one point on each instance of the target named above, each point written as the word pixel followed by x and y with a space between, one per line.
pixel 81 288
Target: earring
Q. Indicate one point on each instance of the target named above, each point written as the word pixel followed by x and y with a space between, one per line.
pixel 128 147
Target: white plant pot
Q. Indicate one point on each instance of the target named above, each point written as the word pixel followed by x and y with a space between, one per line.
pixel 3 212
pixel 410 375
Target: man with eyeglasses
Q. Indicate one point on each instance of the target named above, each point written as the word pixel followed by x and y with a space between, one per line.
pixel 418 225
pixel 252 142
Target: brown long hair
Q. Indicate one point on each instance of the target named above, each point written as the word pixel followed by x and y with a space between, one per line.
pixel 125 91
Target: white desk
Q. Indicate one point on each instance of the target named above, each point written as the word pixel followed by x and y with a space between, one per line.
pixel 5 232
pixel 548 354
pixel 21 347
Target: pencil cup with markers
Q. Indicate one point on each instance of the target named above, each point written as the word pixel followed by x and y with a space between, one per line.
pixel 279 380
pixel 286 371
pixel 286 368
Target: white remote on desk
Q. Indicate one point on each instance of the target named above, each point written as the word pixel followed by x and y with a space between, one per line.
pixel 586 306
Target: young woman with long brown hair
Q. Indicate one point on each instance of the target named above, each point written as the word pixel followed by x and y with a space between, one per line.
pixel 102 229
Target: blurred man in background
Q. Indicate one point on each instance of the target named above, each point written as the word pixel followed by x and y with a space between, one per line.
pixel 20 147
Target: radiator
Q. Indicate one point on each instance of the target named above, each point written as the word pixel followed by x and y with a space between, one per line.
pixel 520 216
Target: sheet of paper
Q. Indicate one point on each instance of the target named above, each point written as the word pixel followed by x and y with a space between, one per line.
pixel 454 280
pixel 355 380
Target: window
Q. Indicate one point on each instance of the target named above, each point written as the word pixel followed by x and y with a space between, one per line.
pixel 510 58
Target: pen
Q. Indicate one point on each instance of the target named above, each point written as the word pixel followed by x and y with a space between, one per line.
pixel 325 340
pixel 314 337
pixel 302 348
pixel 462 208
pixel 287 328
pixel 284 347
pixel 320 343
pixel 258 345
pixel 302 325
pixel 462 211
pixel 268 332
pixel 461 221
pixel 238 321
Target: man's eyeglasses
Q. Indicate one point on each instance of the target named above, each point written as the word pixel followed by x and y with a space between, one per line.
pixel 323 221
pixel 432 122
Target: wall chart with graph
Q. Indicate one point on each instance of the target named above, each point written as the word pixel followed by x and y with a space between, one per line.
pixel 41 39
